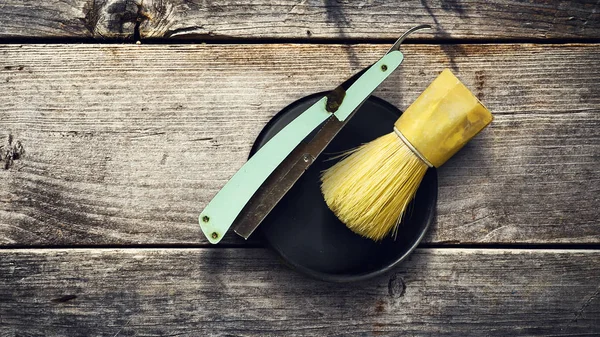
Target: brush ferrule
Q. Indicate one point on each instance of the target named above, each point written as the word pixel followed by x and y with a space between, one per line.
pixel 411 147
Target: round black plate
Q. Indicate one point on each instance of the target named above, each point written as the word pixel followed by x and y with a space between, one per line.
pixel 309 237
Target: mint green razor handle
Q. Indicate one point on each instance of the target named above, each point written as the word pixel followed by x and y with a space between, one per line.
pixel 223 209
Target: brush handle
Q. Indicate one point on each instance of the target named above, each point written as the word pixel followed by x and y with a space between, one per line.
pixel 443 119
pixel 224 208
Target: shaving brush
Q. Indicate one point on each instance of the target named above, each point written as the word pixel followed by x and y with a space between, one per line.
pixel 370 189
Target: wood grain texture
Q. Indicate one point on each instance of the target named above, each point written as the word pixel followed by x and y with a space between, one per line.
pixel 127 144
pixel 247 292
pixel 124 19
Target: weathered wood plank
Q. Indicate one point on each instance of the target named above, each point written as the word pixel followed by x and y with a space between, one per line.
pixel 45 19
pixel 506 19
pixel 244 292
pixel 127 144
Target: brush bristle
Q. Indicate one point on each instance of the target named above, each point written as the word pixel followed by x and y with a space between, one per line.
pixel 370 189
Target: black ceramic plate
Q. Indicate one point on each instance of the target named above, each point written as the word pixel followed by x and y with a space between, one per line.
pixel 309 237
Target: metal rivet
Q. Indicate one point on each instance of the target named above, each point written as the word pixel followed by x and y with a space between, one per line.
pixel 205 218
pixel 383 67
pixel 306 158
pixel 214 235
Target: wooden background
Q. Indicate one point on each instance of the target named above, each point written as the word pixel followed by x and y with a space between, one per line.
pixel 110 149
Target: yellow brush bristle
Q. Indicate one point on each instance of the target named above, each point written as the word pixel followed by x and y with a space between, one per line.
pixel 370 189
